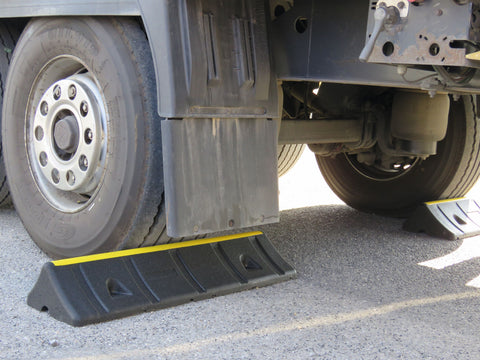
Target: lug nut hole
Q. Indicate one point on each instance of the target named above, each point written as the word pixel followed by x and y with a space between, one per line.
pixel 55 176
pixel 39 133
pixel 70 178
pixel 43 158
pixel 44 108
pixel 83 163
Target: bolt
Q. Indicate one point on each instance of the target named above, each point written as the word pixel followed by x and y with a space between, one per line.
pixel 196 228
pixel 401 5
pixel 438 12
pixel 44 108
pixel 231 223
pixel 84 108
pixel 83 163
pixel 89 136
pixel 57 91
pixel 72 92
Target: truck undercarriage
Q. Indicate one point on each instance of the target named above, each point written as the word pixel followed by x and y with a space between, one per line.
pixel 129 123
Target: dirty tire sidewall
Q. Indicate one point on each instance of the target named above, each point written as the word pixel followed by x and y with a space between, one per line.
pixel 8 37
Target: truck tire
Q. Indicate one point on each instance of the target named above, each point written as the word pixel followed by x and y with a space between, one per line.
pixel 449 174
pixel 8 37
pixel 82 137
pixel 288 155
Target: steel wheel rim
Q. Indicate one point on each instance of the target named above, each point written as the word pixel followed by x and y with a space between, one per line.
pixel 66 134
pixel 378 174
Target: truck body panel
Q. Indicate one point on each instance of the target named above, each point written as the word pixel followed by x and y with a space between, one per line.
pixel 19 8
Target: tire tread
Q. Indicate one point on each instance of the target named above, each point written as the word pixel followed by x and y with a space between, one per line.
pixel 9 35
pixel 288 155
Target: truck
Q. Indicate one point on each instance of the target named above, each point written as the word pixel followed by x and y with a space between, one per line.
pixel 129 123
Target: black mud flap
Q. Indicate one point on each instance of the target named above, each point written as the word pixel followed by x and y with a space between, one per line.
pixel 448 219
pixel 96 288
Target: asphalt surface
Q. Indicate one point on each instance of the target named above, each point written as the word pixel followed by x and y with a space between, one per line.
pixel 365 290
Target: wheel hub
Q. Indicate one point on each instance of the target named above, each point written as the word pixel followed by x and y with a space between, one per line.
pixel 380 166
pixel 68 135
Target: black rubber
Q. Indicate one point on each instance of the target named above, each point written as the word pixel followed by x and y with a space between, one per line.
pixel 81 293
pixel 446 219
pixel 449 174
pixel 127 211
pixel 9 34
pixel 288 155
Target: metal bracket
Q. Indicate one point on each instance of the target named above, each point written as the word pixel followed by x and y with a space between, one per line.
pixel 425 36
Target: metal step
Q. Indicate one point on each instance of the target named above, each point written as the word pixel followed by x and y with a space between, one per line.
pixel 96 288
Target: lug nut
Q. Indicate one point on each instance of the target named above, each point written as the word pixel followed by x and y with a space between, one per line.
pixel 72 92
pixel 44 108
pixel 84 108
pixel 57 92
pixel 83 163
pixel 88 136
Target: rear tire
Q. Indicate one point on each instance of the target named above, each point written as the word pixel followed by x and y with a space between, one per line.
pixel 288 155
pixel 95 182
pixel 8 37
pixel 449 174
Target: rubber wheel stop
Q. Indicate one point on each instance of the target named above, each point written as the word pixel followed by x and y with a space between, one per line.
pixel 447 219
pixel 96 288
